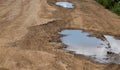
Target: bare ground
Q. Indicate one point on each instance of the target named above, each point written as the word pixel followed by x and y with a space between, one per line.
pixel 29 39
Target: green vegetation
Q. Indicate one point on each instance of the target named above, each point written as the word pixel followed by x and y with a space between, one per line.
pixel 113 5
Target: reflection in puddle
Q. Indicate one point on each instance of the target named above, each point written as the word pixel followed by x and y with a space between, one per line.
pixel 65 4
pixel 101 51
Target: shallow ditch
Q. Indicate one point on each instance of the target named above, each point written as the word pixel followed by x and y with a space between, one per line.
pixel 102 50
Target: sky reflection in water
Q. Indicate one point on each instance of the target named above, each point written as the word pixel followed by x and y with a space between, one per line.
pixel 65 4
pixel 92 47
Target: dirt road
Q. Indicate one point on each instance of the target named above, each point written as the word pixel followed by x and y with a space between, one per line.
pixel 29 39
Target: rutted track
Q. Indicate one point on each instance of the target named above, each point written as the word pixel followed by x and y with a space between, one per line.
pixel 28 39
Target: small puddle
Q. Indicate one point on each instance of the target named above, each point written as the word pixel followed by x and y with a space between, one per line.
pixel 65 4
pixel 79 42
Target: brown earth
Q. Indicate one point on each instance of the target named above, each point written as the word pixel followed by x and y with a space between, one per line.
pixel 29 39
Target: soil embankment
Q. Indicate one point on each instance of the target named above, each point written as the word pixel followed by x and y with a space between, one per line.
pixel 29 39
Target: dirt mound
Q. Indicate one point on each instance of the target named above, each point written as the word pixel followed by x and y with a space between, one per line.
pixel 29 39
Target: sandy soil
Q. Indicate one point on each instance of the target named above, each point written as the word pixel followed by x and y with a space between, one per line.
pixel 29 39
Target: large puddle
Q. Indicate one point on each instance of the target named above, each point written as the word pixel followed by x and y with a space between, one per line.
pixel 65 4
pixel 103 51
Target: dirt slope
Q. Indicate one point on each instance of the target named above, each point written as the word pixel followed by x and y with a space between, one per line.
pixel 29 39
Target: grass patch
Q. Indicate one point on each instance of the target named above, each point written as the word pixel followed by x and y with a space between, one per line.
pixel 112 5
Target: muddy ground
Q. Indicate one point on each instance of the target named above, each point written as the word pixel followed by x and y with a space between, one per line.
pixel 29 39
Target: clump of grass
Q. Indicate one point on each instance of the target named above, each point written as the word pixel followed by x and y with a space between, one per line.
pixel 113 5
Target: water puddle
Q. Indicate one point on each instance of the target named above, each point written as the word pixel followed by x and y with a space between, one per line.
pixel 65 4
pixel 103 51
